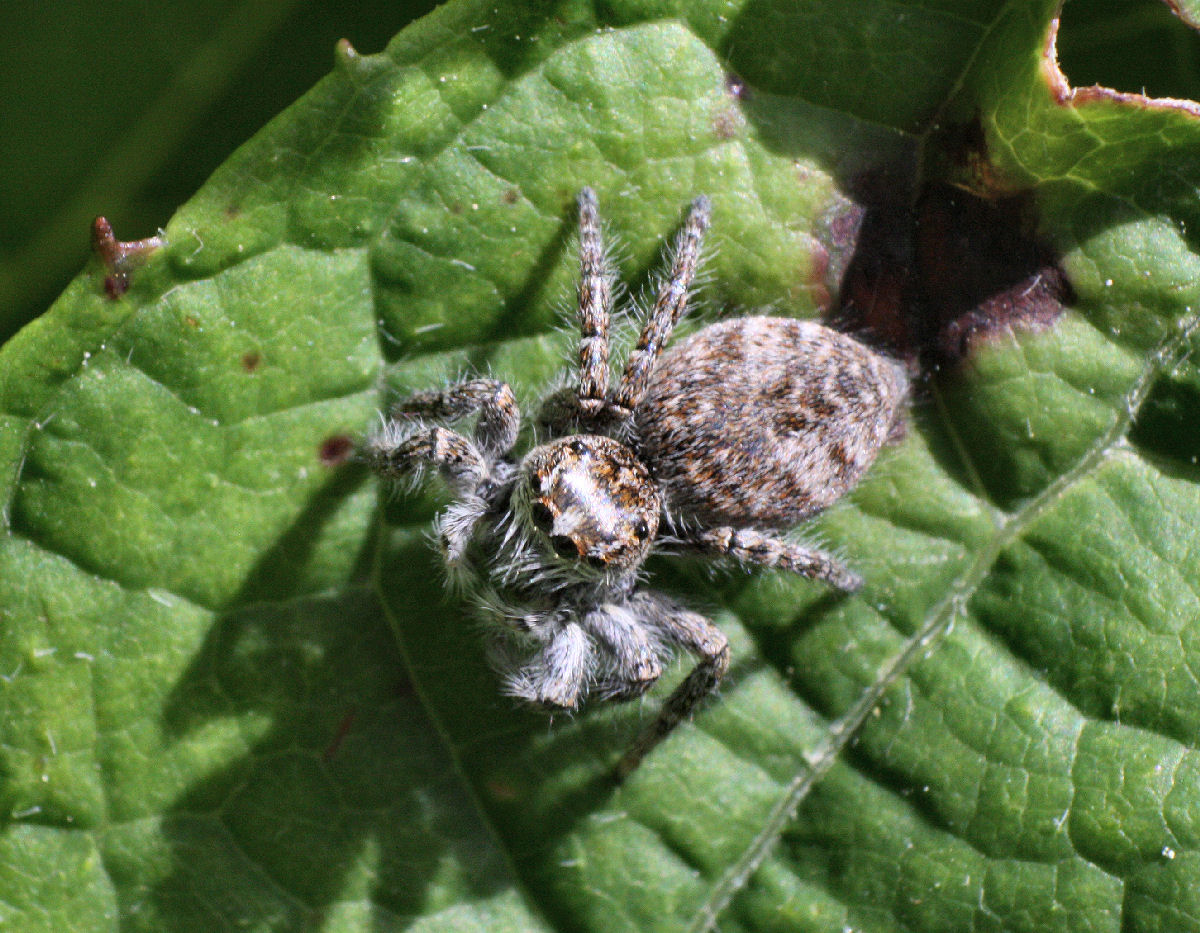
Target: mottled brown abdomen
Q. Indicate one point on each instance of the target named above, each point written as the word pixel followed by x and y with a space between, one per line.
pixel 765 421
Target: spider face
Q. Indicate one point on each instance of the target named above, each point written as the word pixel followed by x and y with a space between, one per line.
pixel 591 500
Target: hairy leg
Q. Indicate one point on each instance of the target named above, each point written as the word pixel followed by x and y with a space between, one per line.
pixel 499 417
pixel 403 450
pixel 595 303
pixel 454 529
pixel 698 635
pixel 755 547
pixel 668 306
pixel 632 652
pixel 557 677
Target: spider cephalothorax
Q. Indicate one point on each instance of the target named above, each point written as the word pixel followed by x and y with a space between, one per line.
pixel 740 431
pixel 592 499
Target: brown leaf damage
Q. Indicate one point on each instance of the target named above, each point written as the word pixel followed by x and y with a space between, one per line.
pixel 934 279
pixel 120 257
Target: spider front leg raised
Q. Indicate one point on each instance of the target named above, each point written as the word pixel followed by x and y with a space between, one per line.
pixel 668 308
pixel 582 406
pixel 595 305
pixel 590 405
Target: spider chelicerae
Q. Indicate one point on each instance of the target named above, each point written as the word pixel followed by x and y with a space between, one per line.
pixel 737 433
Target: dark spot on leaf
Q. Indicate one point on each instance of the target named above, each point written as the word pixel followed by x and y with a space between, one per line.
pixel 455 208
pixel 251 360
pixel 116 285
pixel 336 450
pixel 339 736
pixel 736 87
pixel 191 321
pixel 727 122
pixel 510 196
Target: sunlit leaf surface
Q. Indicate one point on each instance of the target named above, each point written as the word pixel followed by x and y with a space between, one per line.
pixel 235 694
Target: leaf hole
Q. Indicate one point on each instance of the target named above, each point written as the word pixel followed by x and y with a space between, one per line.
pixel 1133 46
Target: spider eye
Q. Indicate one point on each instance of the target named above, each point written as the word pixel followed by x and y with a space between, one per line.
pixel 599 563
pixel 641 530
pixel 542 517
pixel 564 546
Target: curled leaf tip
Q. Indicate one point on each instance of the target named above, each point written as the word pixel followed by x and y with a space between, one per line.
pixel 345 53
pixel 120 257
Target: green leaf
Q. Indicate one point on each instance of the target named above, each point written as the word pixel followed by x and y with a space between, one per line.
pixel 235 692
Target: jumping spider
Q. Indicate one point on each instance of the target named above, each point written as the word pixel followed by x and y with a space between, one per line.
pixel 742 430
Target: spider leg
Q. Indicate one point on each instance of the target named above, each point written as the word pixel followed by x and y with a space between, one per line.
pixel 595 304
pixel 702 638
pixel 499 416
pixel 632 652
pixel 401 450
pixel 557 677
pixel 582 405
pixel 454 528
pixel 668 306
pixel 755 547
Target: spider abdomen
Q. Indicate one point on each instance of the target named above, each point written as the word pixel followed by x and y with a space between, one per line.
pixel 765 420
